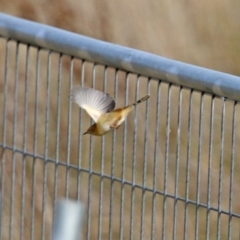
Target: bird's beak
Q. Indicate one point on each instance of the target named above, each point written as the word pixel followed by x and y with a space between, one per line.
pixel 85 133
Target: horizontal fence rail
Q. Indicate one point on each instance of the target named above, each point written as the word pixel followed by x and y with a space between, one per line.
pixel 170 172
pixel 130 60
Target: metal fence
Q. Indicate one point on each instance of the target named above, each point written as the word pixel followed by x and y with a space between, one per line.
pixel 170 172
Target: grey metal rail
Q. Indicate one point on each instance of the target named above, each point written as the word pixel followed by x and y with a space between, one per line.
pixel 202 79
pixel 68 219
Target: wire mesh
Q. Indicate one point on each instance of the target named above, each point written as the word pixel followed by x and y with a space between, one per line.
pixel 170 172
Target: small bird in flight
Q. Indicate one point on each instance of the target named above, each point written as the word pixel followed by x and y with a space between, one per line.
pixel 100 106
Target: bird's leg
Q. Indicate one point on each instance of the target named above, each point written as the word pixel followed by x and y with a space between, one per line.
pixel 115 123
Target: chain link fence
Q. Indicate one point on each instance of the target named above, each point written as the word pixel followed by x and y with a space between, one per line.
pixel 170 172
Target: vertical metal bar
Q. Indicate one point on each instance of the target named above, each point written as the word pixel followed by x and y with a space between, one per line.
pixel 90 167
pixel 155 163
pixel 188 164
pixel 134 161
pixel 113 162
pixel 210 168
pixel 123 163
pixel 69 131
pixel 57 131
pixel 177 163
pixel 199 166
pixel 102 169
pixel 4 124
pixel 24 144
pixel 80 136
pixel 221 170
pixel 232 172
pixel 67 220
pixel 35 146
pixel 145 166
pixel 12 200
pixel 46 147
pixel 166 163
pixel 239 234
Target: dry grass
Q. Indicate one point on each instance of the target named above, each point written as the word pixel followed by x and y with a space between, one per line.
pixel 197 32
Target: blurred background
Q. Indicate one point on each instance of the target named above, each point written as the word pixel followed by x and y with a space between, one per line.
pixel 203 33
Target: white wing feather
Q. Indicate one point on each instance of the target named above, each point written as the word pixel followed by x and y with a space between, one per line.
pixel 93 101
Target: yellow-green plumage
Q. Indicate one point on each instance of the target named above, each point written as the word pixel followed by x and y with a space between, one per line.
pixel 100 107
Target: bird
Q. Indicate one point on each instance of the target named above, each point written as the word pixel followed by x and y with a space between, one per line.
pixel 100 106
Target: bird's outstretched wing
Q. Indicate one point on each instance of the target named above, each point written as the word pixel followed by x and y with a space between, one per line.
pixel 93 101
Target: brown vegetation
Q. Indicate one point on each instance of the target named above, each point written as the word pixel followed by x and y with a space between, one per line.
pixel 203 33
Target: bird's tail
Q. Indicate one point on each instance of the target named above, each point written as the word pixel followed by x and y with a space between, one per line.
pixel 129 108
pixel 139 101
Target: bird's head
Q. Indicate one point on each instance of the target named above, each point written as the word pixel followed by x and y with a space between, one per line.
pixel 92 130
